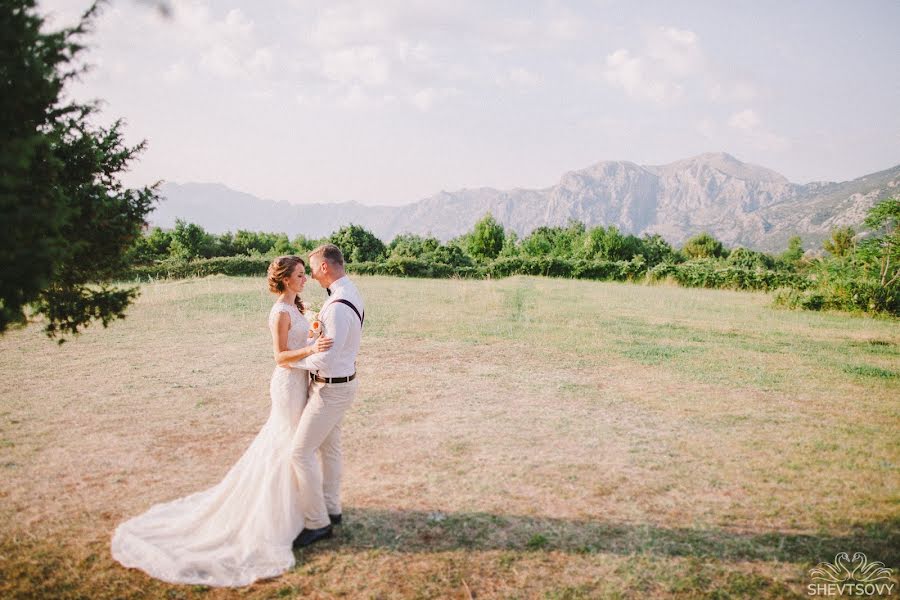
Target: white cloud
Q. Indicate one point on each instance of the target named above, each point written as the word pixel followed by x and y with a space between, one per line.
pixel 706 127
pixel 236 23
pixel 348 24
pixel 746 120
pixel 672 65
pixel 262 60
pixel 636 76
pixel 507 35
pixel 426 98
pixel 222 46
pixel 417 52
pixel 748 124
pixel 175 73
pixel 520 76
pixel 675 51
pixel 734 91
pixel 352 97
pixel 516 29
pixel 362 64
pixel 565 26
pixel 660 73
pixel 403 46
pixel 193 22
pixel 357 44
pixel 228 62
pixel 263 94
pixel 221 60
pixel 355 98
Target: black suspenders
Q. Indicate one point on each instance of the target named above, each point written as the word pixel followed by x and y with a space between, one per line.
pixel 362 317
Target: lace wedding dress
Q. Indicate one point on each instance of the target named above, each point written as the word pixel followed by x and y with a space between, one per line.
pixel 241 529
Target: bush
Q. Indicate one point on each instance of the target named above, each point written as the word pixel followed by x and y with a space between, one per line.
pixel 657 250
pixel 548 266
pixel 711 273
pixel 412 246
pixel 750 259
pixel 661 272
pixel 222 265
pixel 609 244
pixel 598 269
pixel 854 295
pixel 794 251
pixel 704 246
pixel 486 240
pixel 411 267
pixel 358 244
pixel 794 298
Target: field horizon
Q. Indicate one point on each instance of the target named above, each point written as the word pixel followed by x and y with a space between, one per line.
pixel 512 438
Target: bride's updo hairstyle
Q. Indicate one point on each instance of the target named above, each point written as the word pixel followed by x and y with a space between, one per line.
pixel 280 268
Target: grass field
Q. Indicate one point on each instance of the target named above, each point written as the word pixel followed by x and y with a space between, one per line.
pixel 516 438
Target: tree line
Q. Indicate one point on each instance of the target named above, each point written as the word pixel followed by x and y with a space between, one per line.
pixel 486 242
pixel 856 272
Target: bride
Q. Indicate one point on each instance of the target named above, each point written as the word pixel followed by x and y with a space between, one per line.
pixel 241 529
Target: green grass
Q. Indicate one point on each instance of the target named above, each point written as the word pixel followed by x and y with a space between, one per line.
pixel 870 371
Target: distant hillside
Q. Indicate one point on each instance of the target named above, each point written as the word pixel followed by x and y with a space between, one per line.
pixel 740 203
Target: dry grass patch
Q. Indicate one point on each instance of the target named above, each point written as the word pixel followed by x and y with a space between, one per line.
pixel 523 437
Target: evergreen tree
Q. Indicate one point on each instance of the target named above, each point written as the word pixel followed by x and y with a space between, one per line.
pixel 66 221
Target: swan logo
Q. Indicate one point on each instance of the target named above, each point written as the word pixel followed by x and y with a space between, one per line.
pixel 857 577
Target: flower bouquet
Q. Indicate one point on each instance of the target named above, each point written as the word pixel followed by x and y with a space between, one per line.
pixel 316 327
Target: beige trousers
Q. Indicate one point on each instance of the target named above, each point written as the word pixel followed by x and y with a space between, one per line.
pixel 320 430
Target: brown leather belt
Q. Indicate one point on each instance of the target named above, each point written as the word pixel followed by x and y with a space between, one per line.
pixel 315 377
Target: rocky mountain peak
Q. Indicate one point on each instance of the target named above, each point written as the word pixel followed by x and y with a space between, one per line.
pixel 723 164
pixel 739 203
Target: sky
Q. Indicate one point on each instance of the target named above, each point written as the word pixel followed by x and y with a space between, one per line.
pixel 390 101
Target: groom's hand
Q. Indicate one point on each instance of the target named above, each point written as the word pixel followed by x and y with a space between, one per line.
pixel 323 344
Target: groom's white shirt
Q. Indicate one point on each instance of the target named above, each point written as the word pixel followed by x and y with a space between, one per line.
pixel 343 326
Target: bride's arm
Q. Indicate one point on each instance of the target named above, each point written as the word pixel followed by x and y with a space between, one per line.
pixel 283 356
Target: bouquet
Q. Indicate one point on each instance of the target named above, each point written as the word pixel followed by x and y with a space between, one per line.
pixel 316 327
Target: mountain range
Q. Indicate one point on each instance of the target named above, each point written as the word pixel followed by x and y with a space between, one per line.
pixel 739 203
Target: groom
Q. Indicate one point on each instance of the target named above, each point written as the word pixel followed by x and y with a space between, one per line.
pixel 332 388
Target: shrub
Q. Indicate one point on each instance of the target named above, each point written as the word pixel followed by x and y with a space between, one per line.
pixel 703 246
pixel 548 266
pixel 662 271
pixel 358 244
pixel 486 240
pixel 610 244
pixel 411 267
pixel 750 259
pixel 412 246
pixel 711 273
pixel 598 269
pixel 794 298
pixel 841 242
pixel 794 250
pixel 224 265
pixel 656 250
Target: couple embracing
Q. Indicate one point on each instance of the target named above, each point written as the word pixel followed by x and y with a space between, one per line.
pixel 284 492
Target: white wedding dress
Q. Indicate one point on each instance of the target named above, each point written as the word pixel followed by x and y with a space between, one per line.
pixel 241 529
